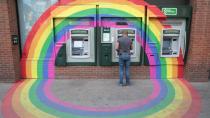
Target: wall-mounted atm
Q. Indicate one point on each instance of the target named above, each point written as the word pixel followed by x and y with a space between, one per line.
pixel 76 39
pixel 110 35
pixel 178 21
pixel 135 52
pixel 170 44
pixel 177 27
pixel 174 36
pixel 80 45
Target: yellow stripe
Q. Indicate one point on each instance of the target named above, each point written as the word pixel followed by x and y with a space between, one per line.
pixel 45 29
pixel 156 27
pixel 185 101
pixel 25 101
pixel 38 42
pixel 16 104
pixel 169 70
pixel 179 105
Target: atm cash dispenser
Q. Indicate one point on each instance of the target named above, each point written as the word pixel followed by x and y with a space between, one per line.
pixel 111 31
pixel 178 17
pixel 170 42
pixel 135 52
pixel 109 38
pixel 178 28
pixel 80 47
pixel 78 43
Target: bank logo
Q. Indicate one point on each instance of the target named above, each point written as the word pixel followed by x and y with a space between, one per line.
pixel 170 11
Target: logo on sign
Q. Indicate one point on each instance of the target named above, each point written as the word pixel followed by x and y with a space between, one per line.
pixel 170 11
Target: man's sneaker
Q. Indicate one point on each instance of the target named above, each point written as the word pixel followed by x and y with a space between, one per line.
pixel 121 84
pixel 128 83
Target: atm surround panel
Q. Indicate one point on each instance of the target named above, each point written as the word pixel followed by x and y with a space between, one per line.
pixel 86 53
pixel 178 28
pixel 135 52
pixel 81 45
pixel 170 43
pixel 131 36
pixel 111 32
pixel 80 42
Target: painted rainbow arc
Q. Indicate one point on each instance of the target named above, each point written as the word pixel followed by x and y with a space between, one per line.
pixel 34 98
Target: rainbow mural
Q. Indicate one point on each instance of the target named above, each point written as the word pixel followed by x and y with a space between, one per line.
pixel 33 98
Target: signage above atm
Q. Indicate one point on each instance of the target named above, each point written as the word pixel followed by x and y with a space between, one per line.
pixel 79 31
pixel 170 11
pixel 171 31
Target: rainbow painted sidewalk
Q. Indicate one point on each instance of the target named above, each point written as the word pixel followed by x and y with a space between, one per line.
pixel 33 98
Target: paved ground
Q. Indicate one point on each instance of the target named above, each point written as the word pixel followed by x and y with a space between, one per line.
pixel 204 89
pixel 107 93
pixel 3 89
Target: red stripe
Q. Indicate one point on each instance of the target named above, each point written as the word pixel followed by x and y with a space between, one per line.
pixel 7 109
pixel 156 11
pixel 32 33
pixel 194 110
pixel 139 2
pixel 180 65
pixel 30 37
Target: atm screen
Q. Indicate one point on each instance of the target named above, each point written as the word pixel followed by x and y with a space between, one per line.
pixel 166 48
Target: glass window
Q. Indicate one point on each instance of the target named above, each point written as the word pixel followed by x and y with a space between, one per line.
pixel 29 12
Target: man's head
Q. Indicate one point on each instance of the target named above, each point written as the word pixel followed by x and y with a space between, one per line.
pixel 125 33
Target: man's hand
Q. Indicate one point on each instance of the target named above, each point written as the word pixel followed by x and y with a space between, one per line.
pixel 131 47
pixel 117 45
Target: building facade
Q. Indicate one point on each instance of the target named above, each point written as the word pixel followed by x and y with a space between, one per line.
pixel 90 52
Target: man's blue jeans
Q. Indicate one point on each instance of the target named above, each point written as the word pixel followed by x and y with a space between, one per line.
pixel 124 63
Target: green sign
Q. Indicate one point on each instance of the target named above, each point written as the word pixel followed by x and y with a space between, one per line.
pixel 170 11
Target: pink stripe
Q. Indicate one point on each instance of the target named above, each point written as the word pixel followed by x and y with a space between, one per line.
pixel 53 98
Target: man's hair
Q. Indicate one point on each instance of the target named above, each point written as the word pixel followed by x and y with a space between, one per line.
pixel 125 32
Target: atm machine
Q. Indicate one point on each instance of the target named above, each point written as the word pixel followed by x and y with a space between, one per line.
pixel 80 47
pixel 77 46
pixel 135 52
pixel 173 38
pixel 170 42
pixel 110 35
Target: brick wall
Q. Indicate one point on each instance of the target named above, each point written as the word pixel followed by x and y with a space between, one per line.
pixel 208 37
pixel 9 54
pixel 198 62
pixel 97 72
pixel 199 48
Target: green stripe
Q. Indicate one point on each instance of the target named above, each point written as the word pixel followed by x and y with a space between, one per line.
pixel 45 108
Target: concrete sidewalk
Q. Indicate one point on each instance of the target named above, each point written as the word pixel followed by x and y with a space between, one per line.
pixel 107 93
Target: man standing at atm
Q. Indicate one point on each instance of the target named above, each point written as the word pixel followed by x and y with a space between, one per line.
pixel 123 47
